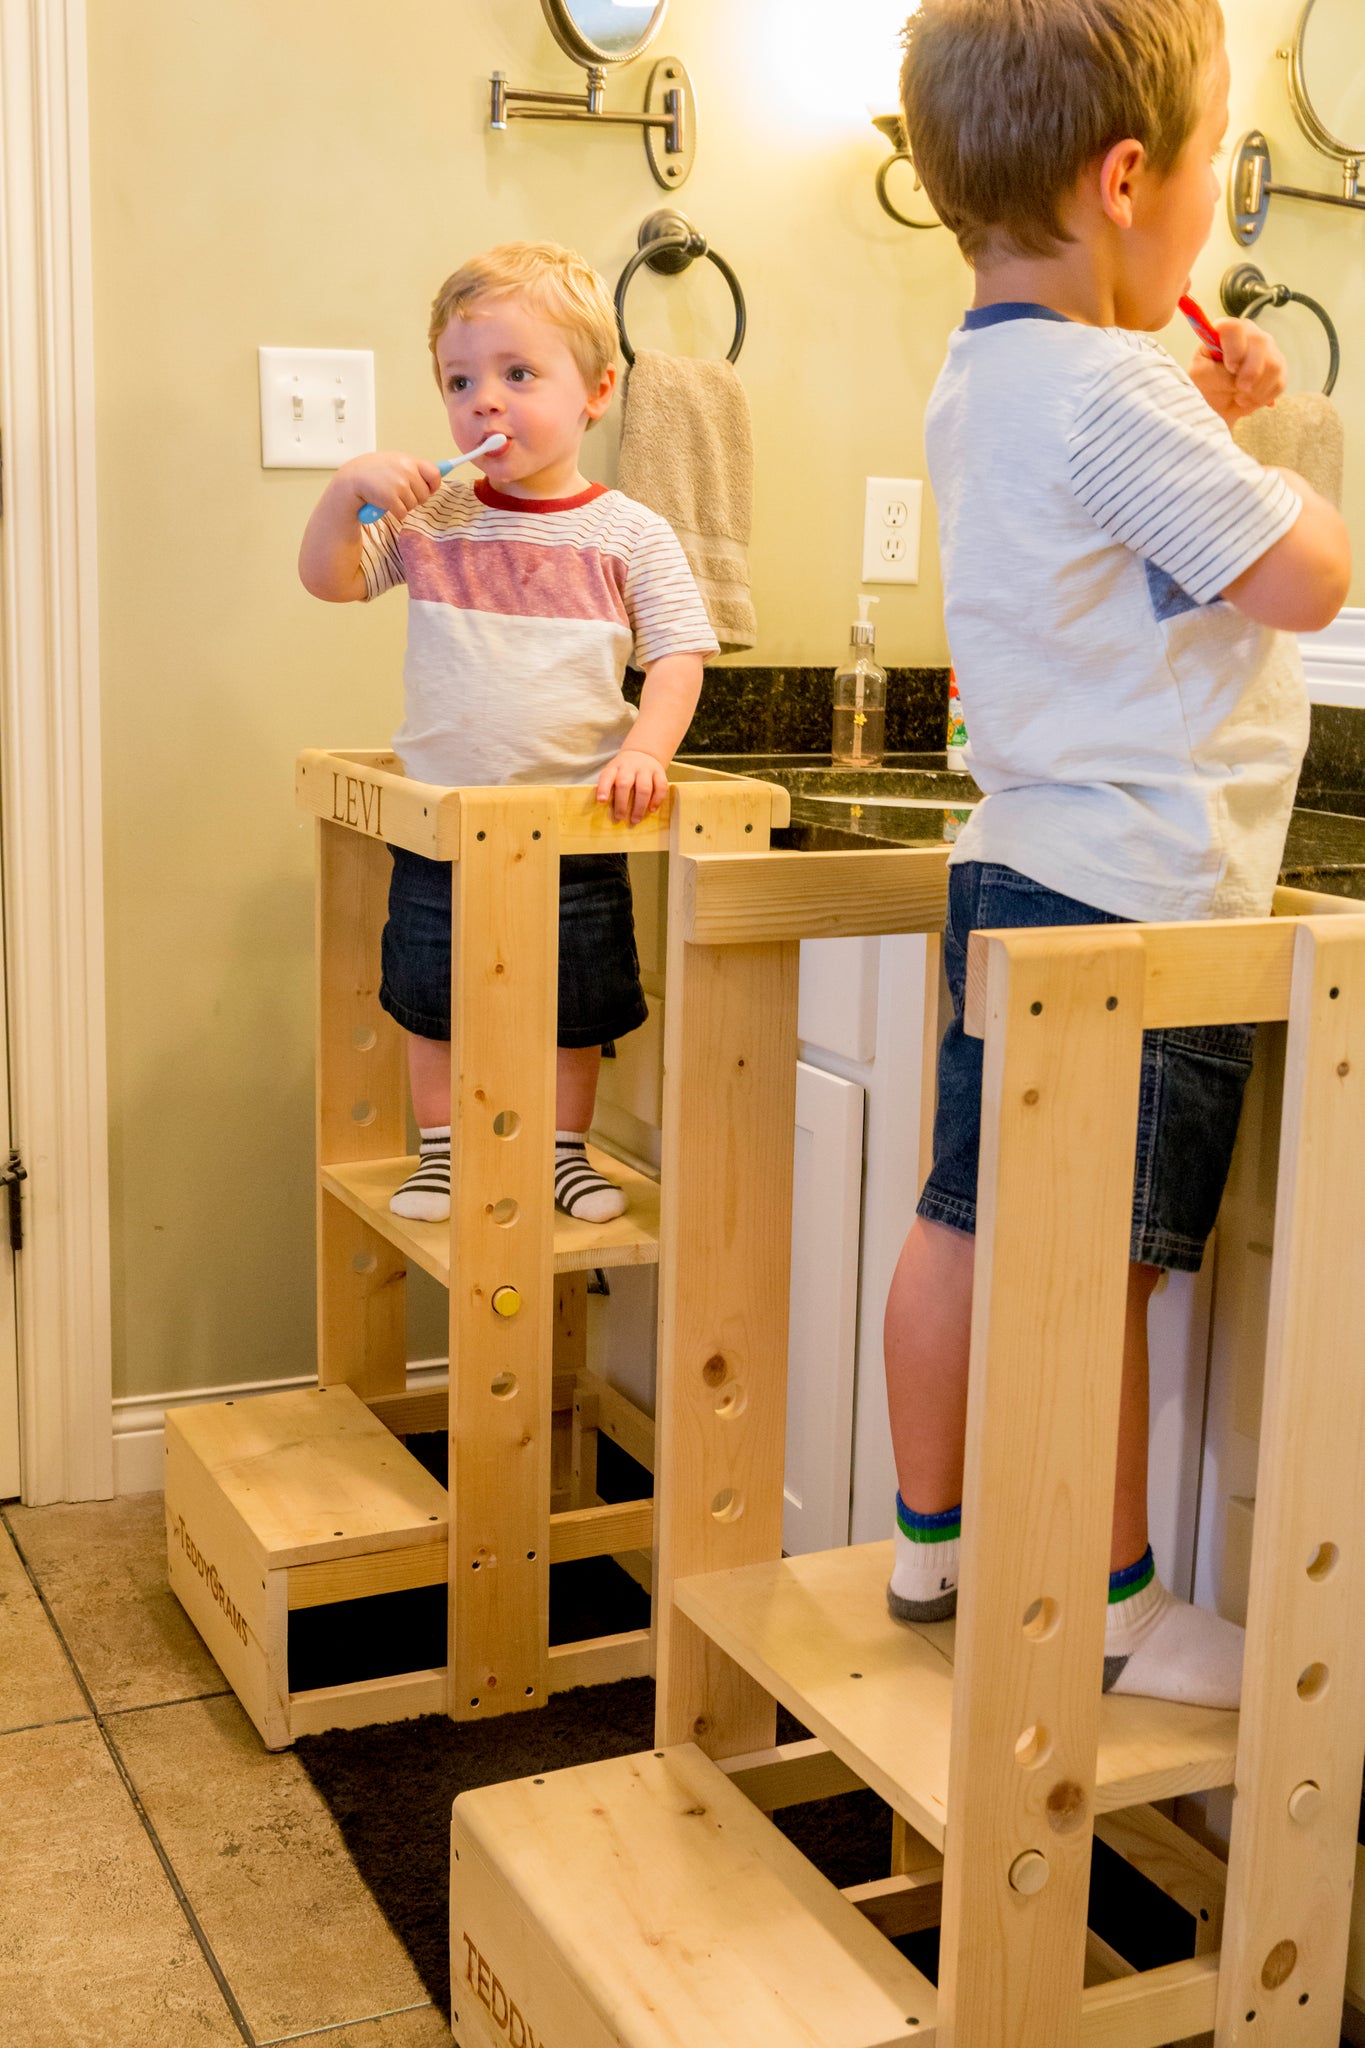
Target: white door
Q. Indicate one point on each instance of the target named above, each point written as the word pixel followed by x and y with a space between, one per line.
pixel 826 1222
pixel 9 1348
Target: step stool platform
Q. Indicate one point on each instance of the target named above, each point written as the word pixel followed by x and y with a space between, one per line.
pixel 814 1631
pixel 629 1240
pixel 644 1902
pixel 290 1500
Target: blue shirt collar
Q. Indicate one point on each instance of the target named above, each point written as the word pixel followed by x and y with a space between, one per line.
pixel 1010 309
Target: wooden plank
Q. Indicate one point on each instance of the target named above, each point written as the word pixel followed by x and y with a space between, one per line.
pixel 628 1240
pixel 586 826
pixel 1355 1957
pixel 803 1626
pixel 1293 1849
pixel 367 1703
pixel 741 899
pixel 601 1660
pixel 675 1911
pixel 418 1413
pixel 366 794
pixel 1173 1861
pixel 908 1903
pixel 1212 971
pixel 619 1418
pixel 1103 1963
pixel 724 1277
pixel 1313 903
pixel 697 771
pixel 361 1113
pixel 310 1474
pixel 360 1578
pixel 1058 1133
pixel 1153 2008
pixel 504 988
pixel 601 1531
pixel 790 1774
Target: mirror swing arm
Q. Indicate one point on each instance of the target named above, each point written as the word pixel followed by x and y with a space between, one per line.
pixel 1250 184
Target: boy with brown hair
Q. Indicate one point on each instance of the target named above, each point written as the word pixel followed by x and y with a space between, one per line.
pixel 530 592
pixel 1121 585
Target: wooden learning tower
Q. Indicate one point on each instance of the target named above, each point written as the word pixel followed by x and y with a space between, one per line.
pixel 310 1498
pixel 649 1901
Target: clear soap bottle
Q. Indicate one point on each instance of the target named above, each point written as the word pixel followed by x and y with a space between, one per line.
pixel 860 698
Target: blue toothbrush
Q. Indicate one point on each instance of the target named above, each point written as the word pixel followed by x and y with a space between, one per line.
pixel 368 514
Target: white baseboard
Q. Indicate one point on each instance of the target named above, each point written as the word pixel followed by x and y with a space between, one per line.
pixel 1334 661
pixel 140 1419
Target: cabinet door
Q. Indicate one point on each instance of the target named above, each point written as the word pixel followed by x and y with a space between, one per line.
pixel 838 999
pixel 826 1211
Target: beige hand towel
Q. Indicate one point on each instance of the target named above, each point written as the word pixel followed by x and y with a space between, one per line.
pixel 687 452
pixel 1301 431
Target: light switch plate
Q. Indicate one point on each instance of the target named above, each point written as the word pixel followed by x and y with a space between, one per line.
pixel 317 406
pixel 891 523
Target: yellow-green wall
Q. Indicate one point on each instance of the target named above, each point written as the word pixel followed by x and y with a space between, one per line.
pixel 305 174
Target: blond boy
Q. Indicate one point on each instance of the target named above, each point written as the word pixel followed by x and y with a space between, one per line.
pixel 530 592
pixel 1121 584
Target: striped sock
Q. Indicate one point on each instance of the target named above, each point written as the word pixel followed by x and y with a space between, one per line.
pixel 924 1575
pixel 425 1196
pixel 1164 1649
pixel 580 1191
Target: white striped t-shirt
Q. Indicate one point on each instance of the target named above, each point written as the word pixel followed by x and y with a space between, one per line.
pixel 523 616
pixel 1138 738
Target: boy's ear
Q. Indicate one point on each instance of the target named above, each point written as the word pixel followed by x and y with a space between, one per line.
pixel 1120 173
pixel 599 400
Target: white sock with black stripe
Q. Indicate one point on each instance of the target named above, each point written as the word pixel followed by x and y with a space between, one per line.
pixel 425 1196
pixel 580 1191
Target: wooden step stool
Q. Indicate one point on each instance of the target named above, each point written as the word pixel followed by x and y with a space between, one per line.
pixel 991 1739
pixel 523 1412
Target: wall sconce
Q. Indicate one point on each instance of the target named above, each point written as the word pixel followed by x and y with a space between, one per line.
pixel 892 126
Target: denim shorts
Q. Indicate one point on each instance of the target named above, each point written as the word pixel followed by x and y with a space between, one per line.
pixel 600 997
pixel 1189 1105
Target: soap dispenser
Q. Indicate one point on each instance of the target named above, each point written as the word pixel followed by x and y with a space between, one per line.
pixel 860 698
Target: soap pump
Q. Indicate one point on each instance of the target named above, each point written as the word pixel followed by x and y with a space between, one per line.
pixel 860 698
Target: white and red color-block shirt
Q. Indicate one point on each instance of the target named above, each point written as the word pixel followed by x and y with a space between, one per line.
pixel 523 616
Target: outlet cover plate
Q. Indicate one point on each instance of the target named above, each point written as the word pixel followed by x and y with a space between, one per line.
pixel 891 528
pixel 317 406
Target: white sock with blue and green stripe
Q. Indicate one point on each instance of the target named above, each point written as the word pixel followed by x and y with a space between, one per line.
pixel 1163 1648
pixel 924 1575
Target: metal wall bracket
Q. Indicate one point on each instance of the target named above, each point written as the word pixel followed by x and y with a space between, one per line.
pixel 668 120
pixel 1250 188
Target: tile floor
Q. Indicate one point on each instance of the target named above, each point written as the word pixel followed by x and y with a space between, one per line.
pixel 167 1883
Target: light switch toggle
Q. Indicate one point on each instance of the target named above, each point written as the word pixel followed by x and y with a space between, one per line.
pixel 317 406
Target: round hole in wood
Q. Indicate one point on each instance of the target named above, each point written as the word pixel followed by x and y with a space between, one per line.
pixel 504 1386
pixel 728 1505
pixel 363 1112
pixel 1313 1682
pixel 364 1262
pixel 1035 1009
pixel 474 1702
pixel 1279 1964
pixel 1323 1562
pixel 506 1124
pixel 364 1039
pixel 732 1402
pixel 1033 1747
pixel 504 1212
pixel 1040 1619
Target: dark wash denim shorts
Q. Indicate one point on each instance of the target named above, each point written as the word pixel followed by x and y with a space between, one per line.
pixel 600 997
pixel 1189 1105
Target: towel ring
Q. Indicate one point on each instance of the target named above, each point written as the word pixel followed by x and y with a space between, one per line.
pixel 669 243
pixel 1245 295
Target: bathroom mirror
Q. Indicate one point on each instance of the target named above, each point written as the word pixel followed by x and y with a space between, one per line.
pixel 1327 77
pixel 604 31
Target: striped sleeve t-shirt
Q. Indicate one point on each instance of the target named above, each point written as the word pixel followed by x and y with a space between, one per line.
pixel 1139 739
pixel 523 616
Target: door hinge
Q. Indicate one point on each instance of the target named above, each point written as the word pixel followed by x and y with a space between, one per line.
pixel 11 1174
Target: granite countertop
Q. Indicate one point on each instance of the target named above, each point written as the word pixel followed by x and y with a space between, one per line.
pixel 1325 849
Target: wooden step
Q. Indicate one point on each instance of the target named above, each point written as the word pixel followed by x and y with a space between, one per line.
pixel 629 1240
pixel 814 1631
pixel 645 1903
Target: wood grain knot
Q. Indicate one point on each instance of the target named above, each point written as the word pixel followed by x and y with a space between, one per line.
pixel 1030 1096
pixel 1279 1964
pixel 1066 1807
pixel 715 1372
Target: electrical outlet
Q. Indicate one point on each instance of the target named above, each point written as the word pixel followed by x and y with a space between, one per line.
pixel 317 406
pixel 891 522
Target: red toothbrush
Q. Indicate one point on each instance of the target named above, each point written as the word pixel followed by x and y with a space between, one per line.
pixel 1203 327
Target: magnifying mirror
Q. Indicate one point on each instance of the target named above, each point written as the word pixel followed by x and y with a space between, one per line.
pixel 1327 77
pixel 604 31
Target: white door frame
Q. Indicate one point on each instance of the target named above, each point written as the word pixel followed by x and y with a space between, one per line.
pixel 50 752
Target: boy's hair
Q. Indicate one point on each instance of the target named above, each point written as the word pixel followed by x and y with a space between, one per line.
pixel 1007 101
pixel 551 281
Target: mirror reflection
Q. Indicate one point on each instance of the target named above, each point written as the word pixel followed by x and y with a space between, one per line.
pixel 605 31
pixel 1334 70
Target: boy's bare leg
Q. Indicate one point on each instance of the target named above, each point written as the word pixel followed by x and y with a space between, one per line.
pixel 576 1070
